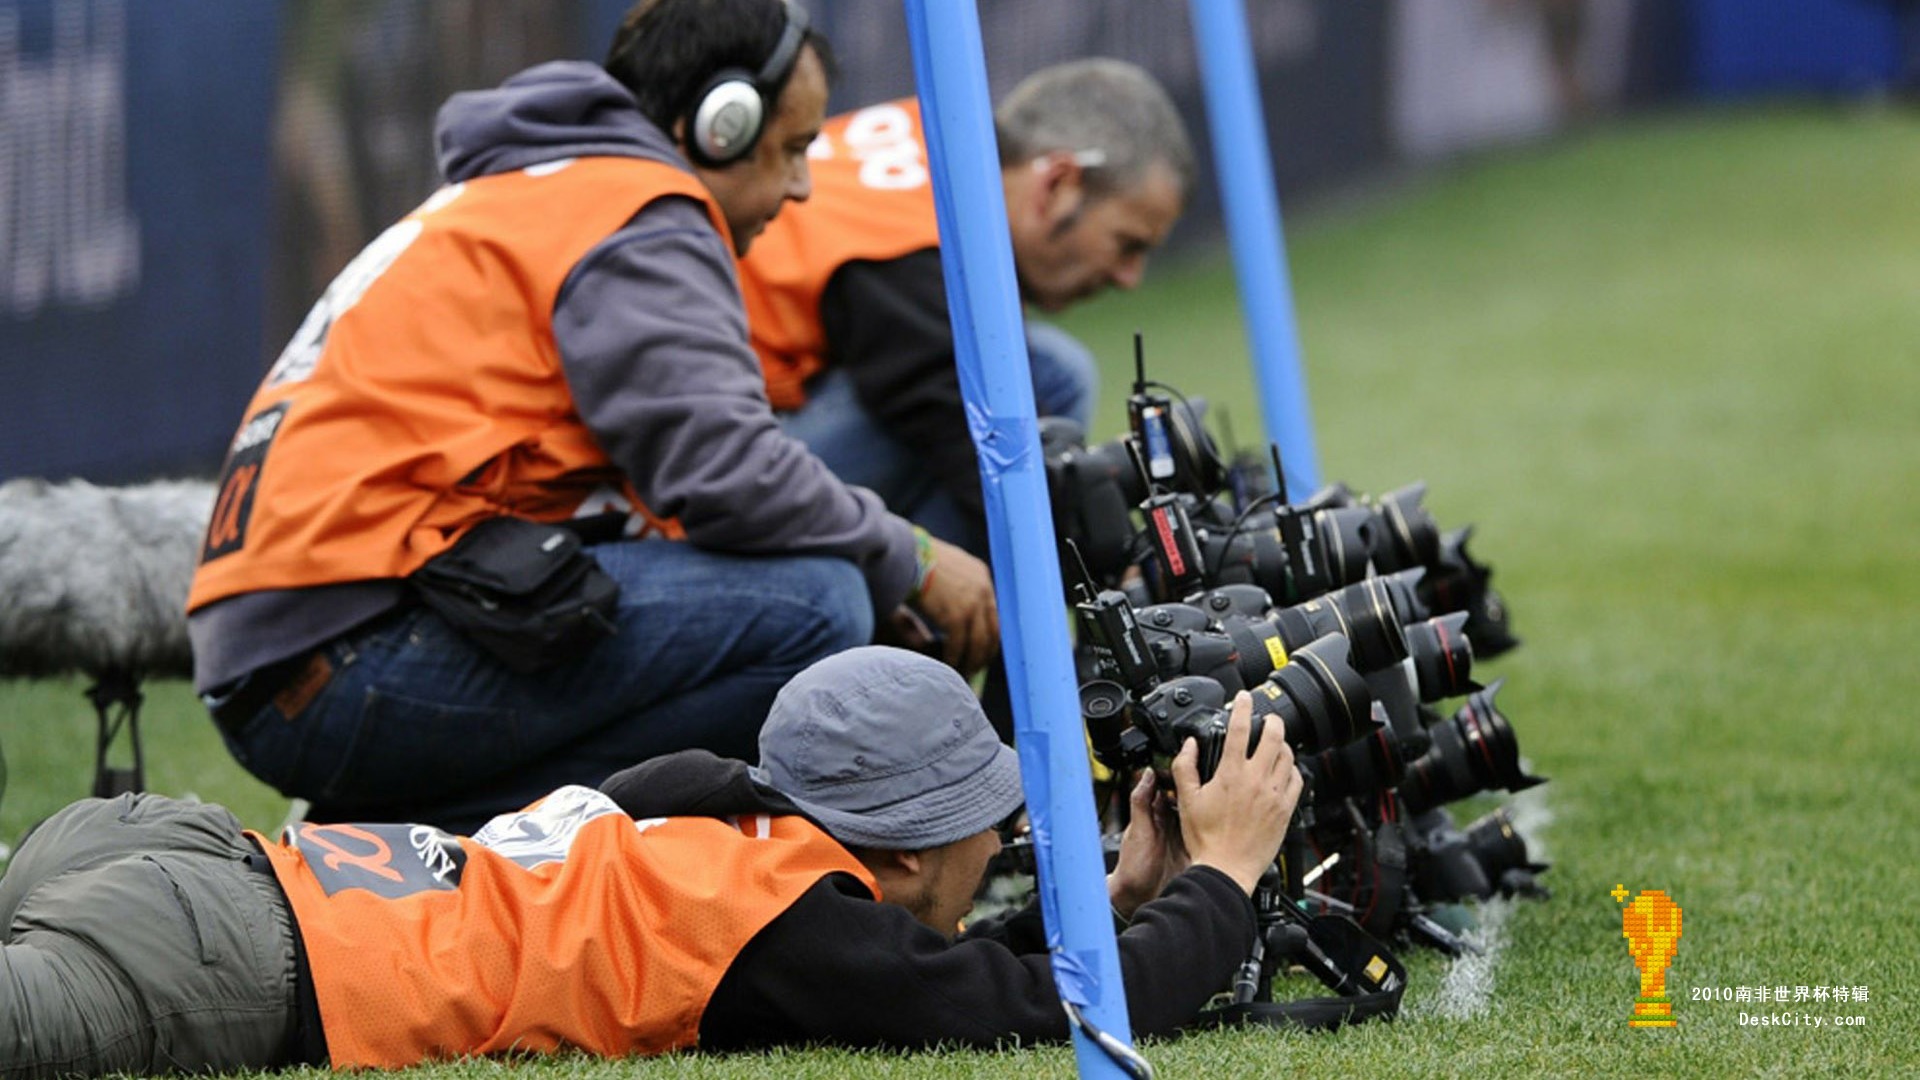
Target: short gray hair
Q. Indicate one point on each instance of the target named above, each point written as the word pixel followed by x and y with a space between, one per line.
pixel 1096 104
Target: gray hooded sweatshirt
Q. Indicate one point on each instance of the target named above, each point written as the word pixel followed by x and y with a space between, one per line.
pixel 653 340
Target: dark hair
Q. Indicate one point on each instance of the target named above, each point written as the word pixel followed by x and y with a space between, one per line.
pixel 666 51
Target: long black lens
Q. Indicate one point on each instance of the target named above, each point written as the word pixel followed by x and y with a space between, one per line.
pixel 1362 612
pixel 1320 700
pixel 1403 590
pixel 1345 539
pixel 1406 535
pixel 1473 751
pixel 1442 656
pixel 1369 764
pixel 1366 610
pixel 1463 584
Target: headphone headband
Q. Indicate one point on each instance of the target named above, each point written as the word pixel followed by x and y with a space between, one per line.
pixel 785 52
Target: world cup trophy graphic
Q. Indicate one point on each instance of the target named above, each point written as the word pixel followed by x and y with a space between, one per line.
pixel 1651 925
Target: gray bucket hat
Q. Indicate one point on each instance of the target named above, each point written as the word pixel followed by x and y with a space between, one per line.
pixel 887 748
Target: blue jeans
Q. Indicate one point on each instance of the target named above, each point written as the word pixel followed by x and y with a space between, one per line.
pixel 840 431
pixel 418 724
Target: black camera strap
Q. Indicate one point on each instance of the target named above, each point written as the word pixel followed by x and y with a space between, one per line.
pixel 1306 1014
pixel 1364 974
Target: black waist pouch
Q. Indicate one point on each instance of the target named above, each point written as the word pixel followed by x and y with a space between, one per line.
pixel 524 591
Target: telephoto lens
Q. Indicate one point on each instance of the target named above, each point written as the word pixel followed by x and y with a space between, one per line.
pixel 1473 751
pixel 1403 591
pixel 1320 700
pixel 1459 583
pixel 1364 767
pixel 1362 613
pixel 1442 656
pixel 1488 857
pixel 1405 534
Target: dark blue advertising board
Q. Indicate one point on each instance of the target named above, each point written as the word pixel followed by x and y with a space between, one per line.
pixel 133 197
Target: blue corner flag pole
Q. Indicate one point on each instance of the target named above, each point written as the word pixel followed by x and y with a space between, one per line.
pixel 1241 158
pixel 990 347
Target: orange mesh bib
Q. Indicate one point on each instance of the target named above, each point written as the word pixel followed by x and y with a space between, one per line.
pixel 567 925
pixel 424 391
pixel 872 200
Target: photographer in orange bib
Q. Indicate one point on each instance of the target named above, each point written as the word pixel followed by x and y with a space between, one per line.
pixel 511 510
pixel 690 901
pixel 848 307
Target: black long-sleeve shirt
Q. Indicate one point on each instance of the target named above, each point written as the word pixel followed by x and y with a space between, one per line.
pixel 838 966
pixel 886 326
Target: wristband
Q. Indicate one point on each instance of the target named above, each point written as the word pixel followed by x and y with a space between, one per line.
pixel 923 559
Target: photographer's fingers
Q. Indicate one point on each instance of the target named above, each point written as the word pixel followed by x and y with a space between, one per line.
pixel 986 632
pixel 1141 797
pixel 905 628
pixel 972 642
pixel 1271 757
pixel 1186 773
pixel 1291 785
pixel 1140 871
pixel 1237 819
pixel 958 596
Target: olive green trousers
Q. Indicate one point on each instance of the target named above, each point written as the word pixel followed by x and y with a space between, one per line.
pixel 135 938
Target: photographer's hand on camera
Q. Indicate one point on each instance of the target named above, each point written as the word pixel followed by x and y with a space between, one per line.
pixel 955 593
pixel 1235 822
pixel 1151 852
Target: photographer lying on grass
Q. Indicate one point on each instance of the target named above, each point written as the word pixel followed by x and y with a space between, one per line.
pixel 691 901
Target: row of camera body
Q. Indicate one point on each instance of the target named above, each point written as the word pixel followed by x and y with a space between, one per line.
pixel 1176 614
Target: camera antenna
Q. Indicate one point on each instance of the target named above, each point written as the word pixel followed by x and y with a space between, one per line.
pixel 1087 586
pixel 1279 474
pixel 1139 363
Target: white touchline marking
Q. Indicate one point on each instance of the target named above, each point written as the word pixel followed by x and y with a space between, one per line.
pixel 1468 983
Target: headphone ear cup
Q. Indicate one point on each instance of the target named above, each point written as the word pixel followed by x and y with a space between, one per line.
pixel 726 120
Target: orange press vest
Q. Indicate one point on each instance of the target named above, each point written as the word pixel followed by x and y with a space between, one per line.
pixel 424 391
pixel 568 924
pixel 872 200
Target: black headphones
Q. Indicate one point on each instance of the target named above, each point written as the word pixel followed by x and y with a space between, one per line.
pixel 732 110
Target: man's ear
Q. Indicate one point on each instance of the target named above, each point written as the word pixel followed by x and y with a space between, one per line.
pixel 1059 188
pixel 886 862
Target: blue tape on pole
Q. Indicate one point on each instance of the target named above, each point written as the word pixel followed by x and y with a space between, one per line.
pixel 1003 443
pixel 990 349
pixel 1252 209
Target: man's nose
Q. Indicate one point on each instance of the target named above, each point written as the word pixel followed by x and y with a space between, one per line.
pixel 800 182
pixel 1130 272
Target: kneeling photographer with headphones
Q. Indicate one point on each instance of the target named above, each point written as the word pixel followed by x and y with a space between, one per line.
pixel 439 579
